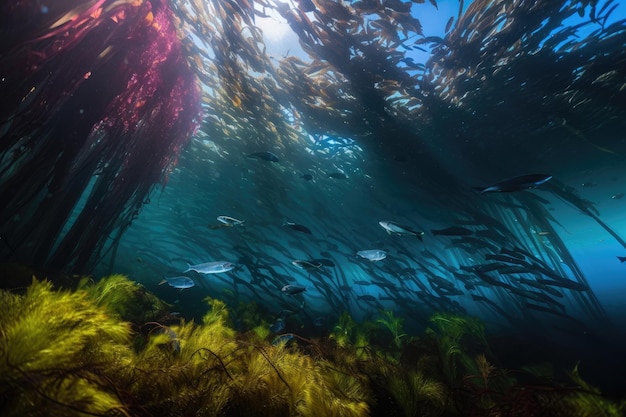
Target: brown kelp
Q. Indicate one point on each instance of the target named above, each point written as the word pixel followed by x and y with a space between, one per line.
pixel 97 102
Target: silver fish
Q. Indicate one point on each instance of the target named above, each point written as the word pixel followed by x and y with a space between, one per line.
pixel 312 264
pixel 397 229
pixel 178 282
pixel 523 182
pixel 292 289
pixel 372 254
pixel 230 221
pixel 211 267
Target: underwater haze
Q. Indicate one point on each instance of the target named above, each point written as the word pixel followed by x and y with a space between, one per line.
pixel 321 157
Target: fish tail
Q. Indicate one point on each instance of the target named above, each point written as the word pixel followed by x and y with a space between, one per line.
pixel 188 268
pixel 622 259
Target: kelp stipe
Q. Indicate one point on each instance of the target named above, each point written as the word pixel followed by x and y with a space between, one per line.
pixel 57 352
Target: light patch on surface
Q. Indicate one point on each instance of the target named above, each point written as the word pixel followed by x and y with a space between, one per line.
pixel 278 36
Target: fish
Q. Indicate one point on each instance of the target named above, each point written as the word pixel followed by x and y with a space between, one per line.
pixel 306 177
pixel 312 264
pixel 617 196
pixel 211 267
pixel 298 227
pixel 264 156
pixel 174 342
pixel 337 175
pixel 522 182
pixel 323 261
pixel 512 253
pixel 285 313
pixel 293 289
pixel 504 258
pixel 452 231
pixel 400 230
pixel 278 326
pixel 283 338
pixel 178 282
pixel 372 254
pixel 564 283
pixel 230 221
pixel 622 259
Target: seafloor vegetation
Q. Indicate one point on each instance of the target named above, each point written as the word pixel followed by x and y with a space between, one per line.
pixel 112 348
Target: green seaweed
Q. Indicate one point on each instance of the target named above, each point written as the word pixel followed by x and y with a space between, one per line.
pixel 55 350
pixel 394 325
pixel 451 332
pixel 345 330
pixel 70 353
pixel 124 298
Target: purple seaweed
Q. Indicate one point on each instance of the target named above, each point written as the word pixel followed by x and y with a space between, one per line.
pixel 97 102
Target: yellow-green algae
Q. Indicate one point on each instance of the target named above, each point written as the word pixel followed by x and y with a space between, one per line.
pixel 92 351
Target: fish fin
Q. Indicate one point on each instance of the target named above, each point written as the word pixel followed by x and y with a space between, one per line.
pixel 162 282
pixel 481 190
pixel 188 268
pixel 622 258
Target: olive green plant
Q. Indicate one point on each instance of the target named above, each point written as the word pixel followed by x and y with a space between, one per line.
pixel 394 325
pixel 450 332
pixel 57 349
pixel 416 394
pixel 588 401
pixel 127 299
